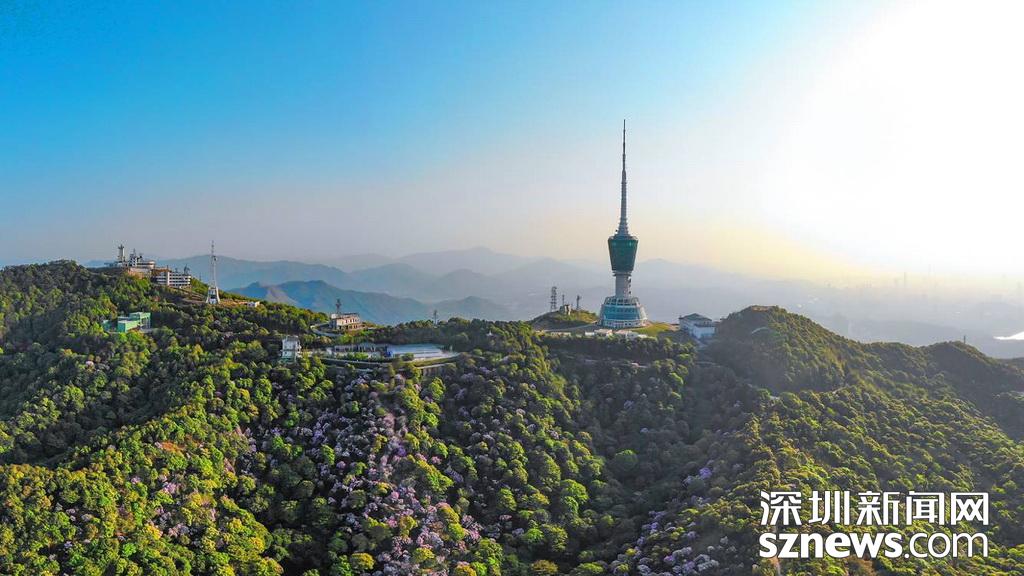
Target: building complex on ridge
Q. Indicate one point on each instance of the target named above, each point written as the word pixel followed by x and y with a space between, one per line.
pixel 136 265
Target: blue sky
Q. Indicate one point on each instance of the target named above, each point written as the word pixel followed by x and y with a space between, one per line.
pixel 115 109
pixel 313 130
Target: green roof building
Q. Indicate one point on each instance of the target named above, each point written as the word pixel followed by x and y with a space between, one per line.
pixel 133 321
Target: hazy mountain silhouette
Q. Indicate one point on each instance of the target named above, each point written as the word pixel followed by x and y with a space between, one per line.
pixel 374 307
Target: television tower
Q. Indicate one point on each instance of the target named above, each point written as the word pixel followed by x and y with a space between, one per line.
pixel 554 298
pixel 213 292
pixel 623 310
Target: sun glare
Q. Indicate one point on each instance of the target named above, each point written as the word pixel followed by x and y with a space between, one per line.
pixel 908 147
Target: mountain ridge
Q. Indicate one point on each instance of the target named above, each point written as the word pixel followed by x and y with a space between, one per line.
pixel 668 289
pixel 193 448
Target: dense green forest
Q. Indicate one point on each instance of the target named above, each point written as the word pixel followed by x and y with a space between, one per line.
pixel 191 449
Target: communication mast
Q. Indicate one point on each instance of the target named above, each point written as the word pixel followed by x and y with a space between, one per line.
pixel 577 302
pixel 554 298
pixel 435 316
pixel 213 292
pixel 337 307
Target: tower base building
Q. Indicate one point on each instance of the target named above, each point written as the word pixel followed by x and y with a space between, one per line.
pixel 626 312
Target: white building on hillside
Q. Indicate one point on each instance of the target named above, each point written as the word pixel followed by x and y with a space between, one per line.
pixel 346 321
pixel 699 327
pixel 290 348
pixel 163 276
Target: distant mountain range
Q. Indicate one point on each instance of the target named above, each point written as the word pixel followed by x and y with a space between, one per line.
pixel 515 287
pixel 478 259
pixel 372 306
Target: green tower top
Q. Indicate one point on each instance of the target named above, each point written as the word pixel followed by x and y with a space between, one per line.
pixel 622 245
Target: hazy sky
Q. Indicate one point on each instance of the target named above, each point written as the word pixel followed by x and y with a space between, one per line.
pixel 807 138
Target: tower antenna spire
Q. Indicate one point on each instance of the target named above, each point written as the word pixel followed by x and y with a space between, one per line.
pixel 623 224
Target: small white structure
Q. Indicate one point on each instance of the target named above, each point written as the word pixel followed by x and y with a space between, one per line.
pixel 346 321
pixel 699 327
pixel 291 349
pixel 252 303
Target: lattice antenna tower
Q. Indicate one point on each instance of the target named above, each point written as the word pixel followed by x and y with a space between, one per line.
pixel 213 292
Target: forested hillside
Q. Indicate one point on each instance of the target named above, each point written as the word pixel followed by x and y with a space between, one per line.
pixel 191 450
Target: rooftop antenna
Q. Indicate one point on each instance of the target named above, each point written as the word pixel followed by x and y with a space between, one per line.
pixel 554 298
pixel 213 293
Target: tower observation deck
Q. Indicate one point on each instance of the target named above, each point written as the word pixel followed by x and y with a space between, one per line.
pixel 623 310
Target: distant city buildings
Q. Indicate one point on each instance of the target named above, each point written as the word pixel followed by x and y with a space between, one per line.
pixel 623 310
pixel 135 321
pixel 699 327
